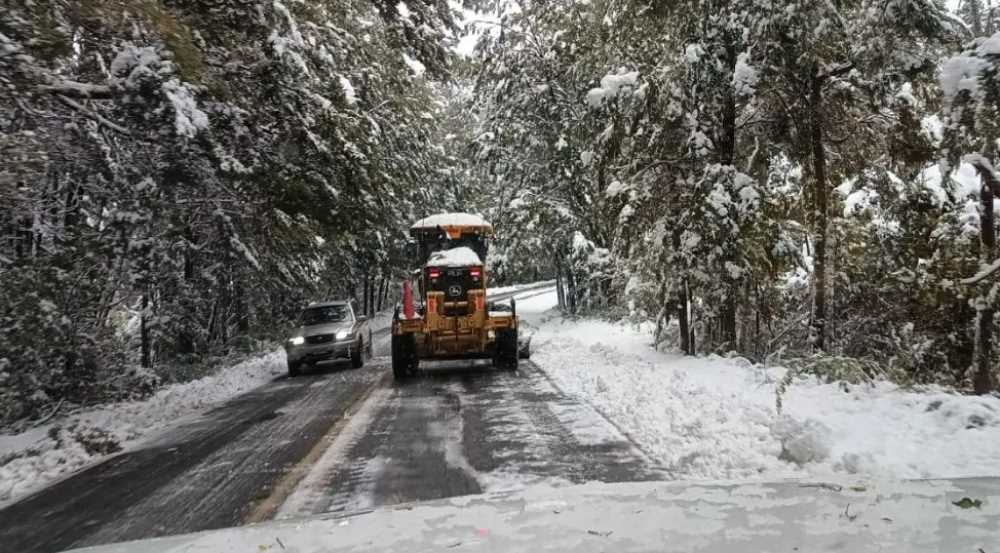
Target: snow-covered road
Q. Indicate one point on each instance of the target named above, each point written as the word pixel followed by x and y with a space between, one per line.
pixel 196 457
pixel 459 430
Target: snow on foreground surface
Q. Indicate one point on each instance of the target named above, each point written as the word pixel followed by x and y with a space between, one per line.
pixel 715 418
pixel 40 459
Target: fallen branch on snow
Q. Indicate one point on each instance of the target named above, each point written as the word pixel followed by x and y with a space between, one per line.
pixel 46 418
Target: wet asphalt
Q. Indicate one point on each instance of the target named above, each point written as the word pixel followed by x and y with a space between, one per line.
pixel 457 430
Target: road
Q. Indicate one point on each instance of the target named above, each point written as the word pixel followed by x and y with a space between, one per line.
pixel 335 439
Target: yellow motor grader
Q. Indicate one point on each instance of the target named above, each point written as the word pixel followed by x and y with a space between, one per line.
pixel 450 318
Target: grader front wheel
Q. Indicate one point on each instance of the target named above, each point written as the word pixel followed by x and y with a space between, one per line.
pixel 506 349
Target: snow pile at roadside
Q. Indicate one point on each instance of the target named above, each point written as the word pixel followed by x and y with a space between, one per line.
pixel 715 418
pixel 38 456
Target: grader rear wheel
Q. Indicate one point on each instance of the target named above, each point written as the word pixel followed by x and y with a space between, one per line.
pixel 404 356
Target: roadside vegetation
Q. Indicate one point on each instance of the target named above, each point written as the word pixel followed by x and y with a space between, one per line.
pixel 178 178
pixel 813 184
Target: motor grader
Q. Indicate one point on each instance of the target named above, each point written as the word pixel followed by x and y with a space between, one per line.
pixel 450 318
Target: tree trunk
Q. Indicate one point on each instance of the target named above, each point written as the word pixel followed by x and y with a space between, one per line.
pixel 213 321
pixel 239 299
pixel 572 291
pixel 684 319
pixel 185 338
pixel 371 297
pixel 144 333
pixel 727 157
pixel 364 294
pixel 663 317
pixel 819 211
pixel 728 322
pixel 381 293
pixel 982 381
pixel 570 288
pixel 560 293
pixel 975 16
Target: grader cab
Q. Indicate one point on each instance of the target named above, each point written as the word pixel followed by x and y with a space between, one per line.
pixel 448 318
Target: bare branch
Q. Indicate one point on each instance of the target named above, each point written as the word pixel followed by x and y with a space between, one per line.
pixel 655 164
pixel 93 115
pixel 838 72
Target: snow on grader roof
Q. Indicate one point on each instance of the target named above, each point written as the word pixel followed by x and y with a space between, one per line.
pixel 446 220
pixel 455 257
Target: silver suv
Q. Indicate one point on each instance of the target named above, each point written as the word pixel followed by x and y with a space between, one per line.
pixel 328 331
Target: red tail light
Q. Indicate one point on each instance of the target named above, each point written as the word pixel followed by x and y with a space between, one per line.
pixel 433 273
pixel 476 272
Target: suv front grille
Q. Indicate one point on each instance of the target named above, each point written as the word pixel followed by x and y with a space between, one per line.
pixel 319 339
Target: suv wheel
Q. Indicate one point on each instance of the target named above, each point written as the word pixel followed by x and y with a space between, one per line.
pixel 294 368
pixel 358 355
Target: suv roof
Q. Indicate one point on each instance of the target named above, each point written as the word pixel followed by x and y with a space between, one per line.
pixel 327 303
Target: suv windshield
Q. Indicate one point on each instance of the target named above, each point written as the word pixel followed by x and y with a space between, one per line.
pixel 325 314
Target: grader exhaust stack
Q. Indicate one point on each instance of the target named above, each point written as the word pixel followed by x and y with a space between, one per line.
pixel 450 319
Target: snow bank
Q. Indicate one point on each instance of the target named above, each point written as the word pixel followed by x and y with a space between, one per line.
pixel 37 457
pixel 451 220
pixel 715 418
pixel 455 257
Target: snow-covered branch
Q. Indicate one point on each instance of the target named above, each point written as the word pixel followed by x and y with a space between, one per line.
pixel 983 273
pixel 986 171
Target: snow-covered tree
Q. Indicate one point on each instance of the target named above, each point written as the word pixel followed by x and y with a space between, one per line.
pixel 971 86
pixel 179 177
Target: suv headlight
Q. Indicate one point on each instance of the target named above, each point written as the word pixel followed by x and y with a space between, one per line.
pixel 297 341
pixel 343 334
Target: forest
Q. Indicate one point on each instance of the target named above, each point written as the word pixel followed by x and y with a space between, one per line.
pixel 809 183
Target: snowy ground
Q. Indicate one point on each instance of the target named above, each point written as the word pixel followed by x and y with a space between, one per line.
pixel 51 451
pixel 715 418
